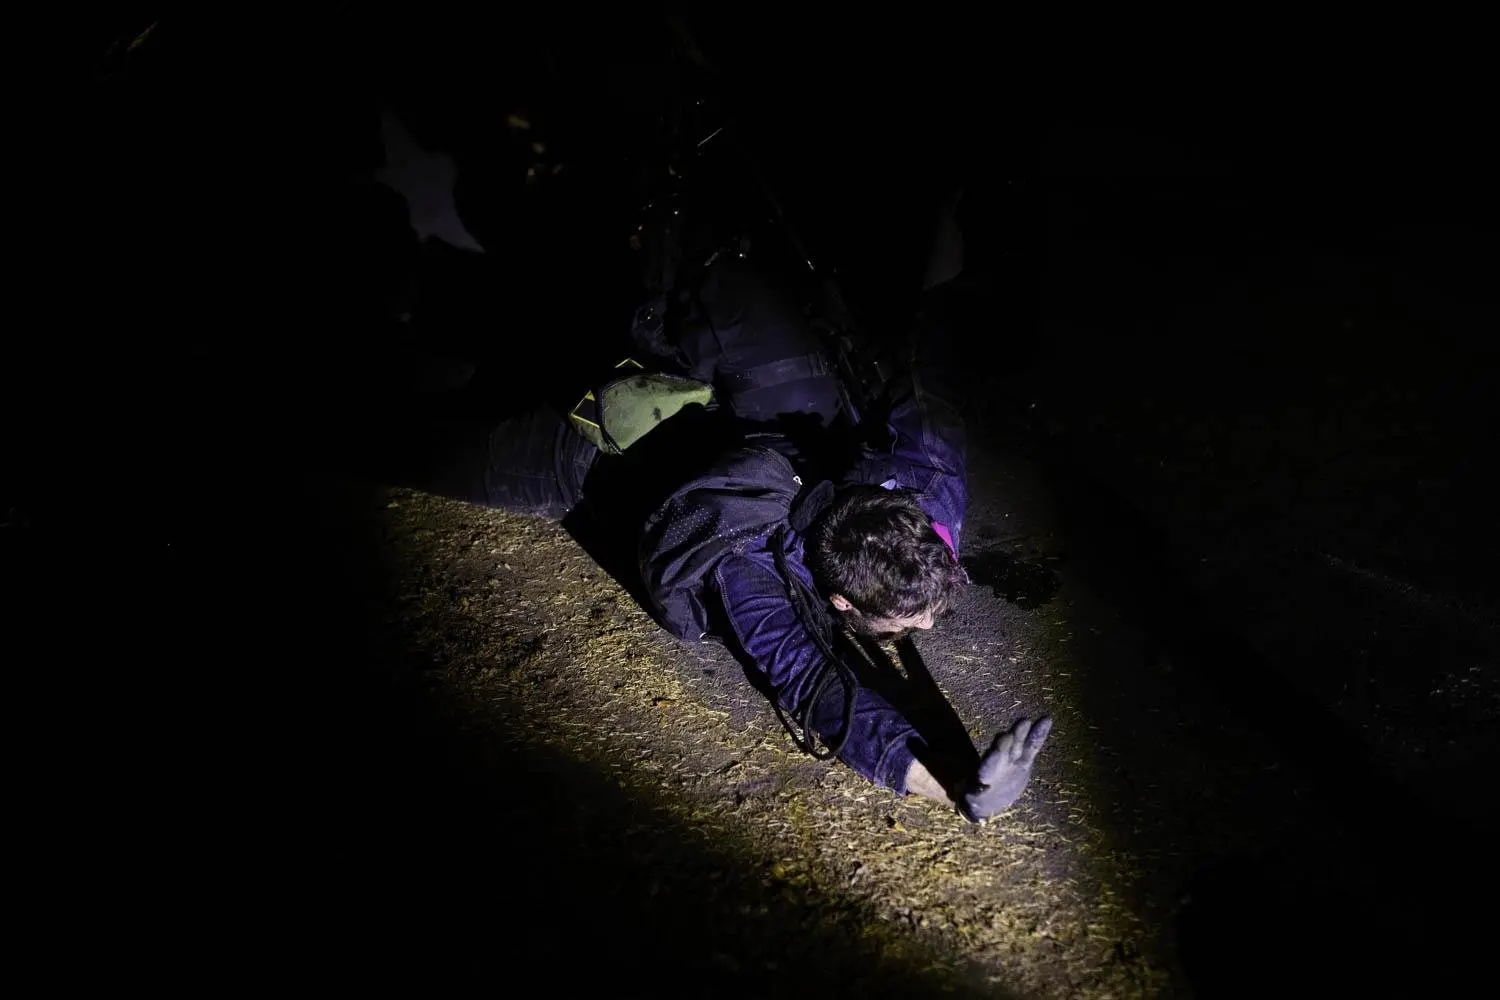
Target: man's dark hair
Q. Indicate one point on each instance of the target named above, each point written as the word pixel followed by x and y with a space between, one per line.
pixel 878 549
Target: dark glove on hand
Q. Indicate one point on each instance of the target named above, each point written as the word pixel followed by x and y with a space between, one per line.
pixel 1004 771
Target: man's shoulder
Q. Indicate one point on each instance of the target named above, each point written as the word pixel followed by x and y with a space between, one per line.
pixel 739 494
pixel 751 465
pixel 751 562
pixel 749 484
pixel 729 508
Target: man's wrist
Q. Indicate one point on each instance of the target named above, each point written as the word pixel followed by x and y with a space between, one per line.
pixel 919 781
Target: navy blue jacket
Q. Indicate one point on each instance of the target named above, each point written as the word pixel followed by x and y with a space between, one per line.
pixel 709 567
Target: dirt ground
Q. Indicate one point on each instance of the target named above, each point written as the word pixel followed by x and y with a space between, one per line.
pixel 533 659
pixel 533 647
pixel 1195 826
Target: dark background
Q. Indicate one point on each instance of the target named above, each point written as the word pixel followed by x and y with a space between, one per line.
pixel 1235 290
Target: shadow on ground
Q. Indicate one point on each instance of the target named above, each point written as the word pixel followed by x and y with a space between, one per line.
pixel 1026 583
pixel 1295 859
pixel 1298 741
pixel 428 841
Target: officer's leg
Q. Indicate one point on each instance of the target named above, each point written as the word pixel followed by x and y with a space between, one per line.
pixel 537 463
pixel 533 463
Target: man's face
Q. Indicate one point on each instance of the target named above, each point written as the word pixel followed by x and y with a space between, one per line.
pixel 881 629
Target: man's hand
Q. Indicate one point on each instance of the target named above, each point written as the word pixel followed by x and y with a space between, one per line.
pixel 1004 771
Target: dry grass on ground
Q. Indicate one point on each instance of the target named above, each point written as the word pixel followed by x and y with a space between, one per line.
pixel 531 645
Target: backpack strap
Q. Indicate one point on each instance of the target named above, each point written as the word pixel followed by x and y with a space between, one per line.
pixel 819 625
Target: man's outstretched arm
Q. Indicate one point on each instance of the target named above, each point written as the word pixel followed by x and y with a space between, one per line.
pixel 919 781
pixel 1001 778
pixel 878 742
pixel 881 743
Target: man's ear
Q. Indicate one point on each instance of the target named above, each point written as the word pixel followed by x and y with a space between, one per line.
pixel 841 602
